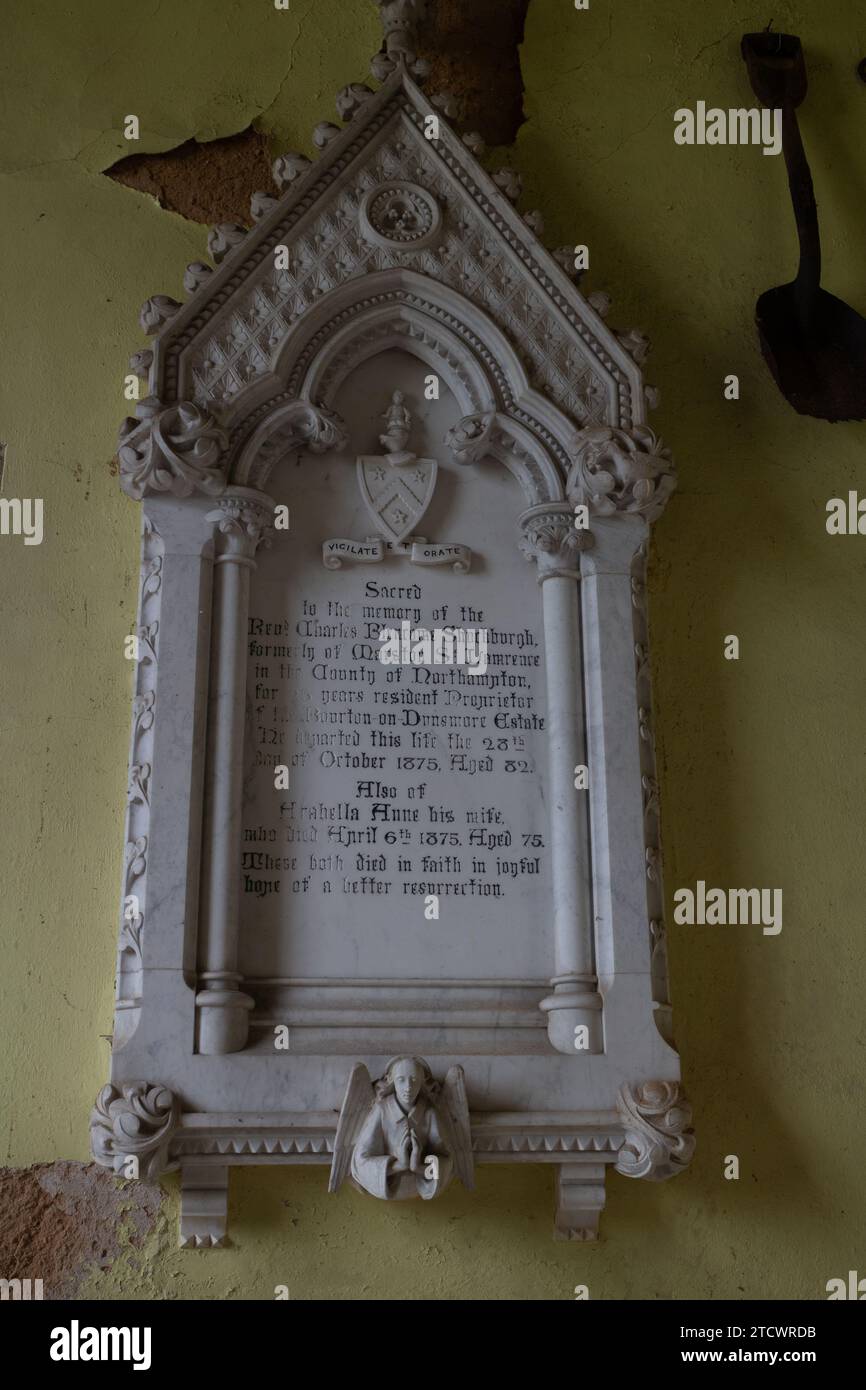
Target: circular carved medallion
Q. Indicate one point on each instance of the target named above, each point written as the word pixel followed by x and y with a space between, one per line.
pixel 400 215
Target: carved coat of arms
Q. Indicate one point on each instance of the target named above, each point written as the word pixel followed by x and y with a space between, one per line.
pixel 397 487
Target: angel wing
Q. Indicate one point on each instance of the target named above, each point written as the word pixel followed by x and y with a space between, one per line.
pixel 454 1118
pixel 356 1103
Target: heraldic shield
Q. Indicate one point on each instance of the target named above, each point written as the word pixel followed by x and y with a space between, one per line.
pixel 396 496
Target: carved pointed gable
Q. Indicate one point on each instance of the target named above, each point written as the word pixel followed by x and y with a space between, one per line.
pixel 340 220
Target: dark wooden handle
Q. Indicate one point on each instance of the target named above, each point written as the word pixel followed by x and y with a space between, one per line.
pixel 805 209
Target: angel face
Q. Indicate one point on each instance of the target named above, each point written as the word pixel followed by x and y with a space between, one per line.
pixel 407 1078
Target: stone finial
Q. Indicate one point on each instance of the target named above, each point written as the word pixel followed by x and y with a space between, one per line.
pixel 289 167
pixel 223 239
pixel 156 312
pixel 600 301
pixel 195 275
pixel 381 66
pixel 400 21
pixel 564 257
pixel 510 182
pixel 140 363
pixel 324 133
pixel 261 204
pixel 351 99
pixel 475 143
pixel 636 344
pixel 446 102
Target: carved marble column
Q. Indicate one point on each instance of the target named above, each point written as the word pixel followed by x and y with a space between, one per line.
pixel 550 538
pixel 624 479
pixel 241 520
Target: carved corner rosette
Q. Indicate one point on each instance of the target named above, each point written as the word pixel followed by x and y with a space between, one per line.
pixel 131 1129
pixel 659 1140
pixel 549 536
pixel 176 448
pixel 618 471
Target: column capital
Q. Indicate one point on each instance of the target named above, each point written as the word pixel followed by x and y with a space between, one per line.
pixel 550 538
pixel 242 519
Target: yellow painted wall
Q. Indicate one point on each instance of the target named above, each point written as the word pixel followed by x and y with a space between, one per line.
pixel 761 761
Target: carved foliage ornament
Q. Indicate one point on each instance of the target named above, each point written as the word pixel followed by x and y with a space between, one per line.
pixel 469 439
pixel 317 429
pixel 616 470
pixel 171 448
pixel 658 1141
pixel 136 1122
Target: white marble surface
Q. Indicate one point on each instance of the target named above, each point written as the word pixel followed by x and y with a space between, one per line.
pixel 524 362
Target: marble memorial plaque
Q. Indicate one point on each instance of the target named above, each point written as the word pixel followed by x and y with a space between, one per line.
pixel 391 897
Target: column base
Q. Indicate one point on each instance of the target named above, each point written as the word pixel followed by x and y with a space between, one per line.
pixel 574 1016
pixel 222 1020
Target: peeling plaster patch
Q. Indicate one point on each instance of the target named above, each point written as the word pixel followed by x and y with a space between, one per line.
pixel 207 182
pixel 59 1221
pixel 474 52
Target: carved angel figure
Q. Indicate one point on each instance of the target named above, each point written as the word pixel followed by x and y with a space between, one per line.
pixel 405 1136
